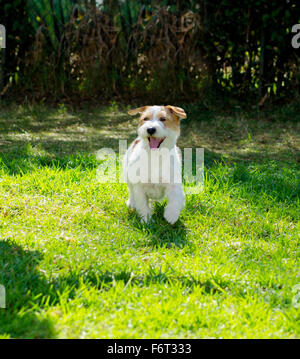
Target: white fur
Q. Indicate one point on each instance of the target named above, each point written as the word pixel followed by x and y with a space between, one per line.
pixel 154 181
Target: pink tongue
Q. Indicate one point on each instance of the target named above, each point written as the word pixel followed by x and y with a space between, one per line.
pixel 154 142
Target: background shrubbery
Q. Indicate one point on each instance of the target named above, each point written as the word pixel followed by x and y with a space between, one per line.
pixel 128 49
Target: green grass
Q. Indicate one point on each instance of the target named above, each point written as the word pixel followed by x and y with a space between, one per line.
pixel 77 264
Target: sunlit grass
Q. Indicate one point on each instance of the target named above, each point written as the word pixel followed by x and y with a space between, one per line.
pixel 77 264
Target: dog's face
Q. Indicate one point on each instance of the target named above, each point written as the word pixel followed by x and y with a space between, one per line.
pixel 159 125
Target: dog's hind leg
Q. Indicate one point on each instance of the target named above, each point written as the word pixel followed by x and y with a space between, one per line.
pixel 141 203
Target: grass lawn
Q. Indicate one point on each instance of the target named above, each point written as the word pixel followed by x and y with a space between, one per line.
pixel 77 264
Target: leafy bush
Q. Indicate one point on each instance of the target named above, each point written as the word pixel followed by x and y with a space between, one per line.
pixel 19 37
pixel 162 49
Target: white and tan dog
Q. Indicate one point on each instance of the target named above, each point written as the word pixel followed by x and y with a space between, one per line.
pixel 152 163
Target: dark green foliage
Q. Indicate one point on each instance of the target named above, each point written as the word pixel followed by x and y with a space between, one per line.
pixel 19 37
pixel 175 50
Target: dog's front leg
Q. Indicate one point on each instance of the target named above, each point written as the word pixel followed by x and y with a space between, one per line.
pixel 141 203
pixel 130 202
pixel 176 199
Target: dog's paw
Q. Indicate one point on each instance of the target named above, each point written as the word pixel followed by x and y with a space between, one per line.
pixel 145 220
pixel 130 204
pixel 171 215
pixel 145 217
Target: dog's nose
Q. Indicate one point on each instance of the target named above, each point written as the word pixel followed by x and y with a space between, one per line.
pixel 151 130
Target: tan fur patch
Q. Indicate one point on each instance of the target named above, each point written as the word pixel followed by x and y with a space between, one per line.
pixel 172 122
pixel 141 121
pixel 178 111
pixel 135 143
pixel 137 110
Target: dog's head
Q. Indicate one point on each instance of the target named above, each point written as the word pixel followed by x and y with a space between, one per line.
pixel 159 125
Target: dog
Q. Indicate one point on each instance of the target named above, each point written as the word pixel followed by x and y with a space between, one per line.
pixel 152 163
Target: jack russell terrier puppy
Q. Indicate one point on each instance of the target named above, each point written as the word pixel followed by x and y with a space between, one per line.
pixel 152 163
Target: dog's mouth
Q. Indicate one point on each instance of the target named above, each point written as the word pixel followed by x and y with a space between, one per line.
pixel 154 142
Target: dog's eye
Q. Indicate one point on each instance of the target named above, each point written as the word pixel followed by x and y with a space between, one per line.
pixel 162 119
pixel 145 119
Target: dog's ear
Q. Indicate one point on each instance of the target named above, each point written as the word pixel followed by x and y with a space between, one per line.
pixel 137 110
pixel 178 111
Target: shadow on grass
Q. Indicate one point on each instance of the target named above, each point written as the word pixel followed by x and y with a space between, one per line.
pixel 156 276
pixel 26 287
pixel 38 119
pixel 23 282
pixel 280 180
pixel 23 160
pixel 249 170
pixel 158 230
